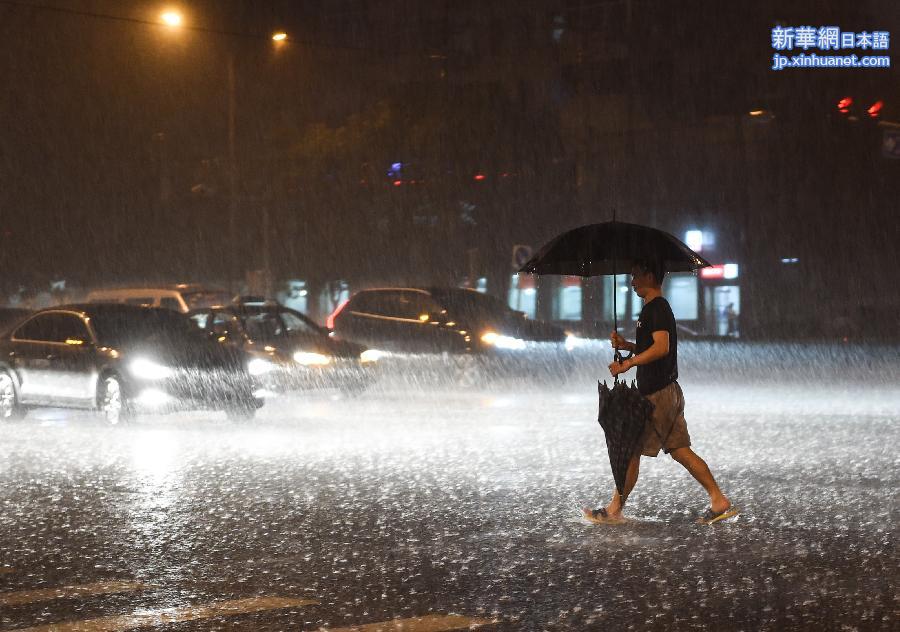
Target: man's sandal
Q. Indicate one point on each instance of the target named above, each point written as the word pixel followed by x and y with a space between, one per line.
pixel 601 516
pixel 711 517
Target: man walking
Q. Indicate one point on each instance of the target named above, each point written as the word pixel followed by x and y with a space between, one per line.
pixel 656 359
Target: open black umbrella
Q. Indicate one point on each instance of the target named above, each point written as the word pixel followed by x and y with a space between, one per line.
pixel 611 248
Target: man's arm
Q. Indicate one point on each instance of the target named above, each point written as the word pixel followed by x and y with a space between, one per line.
pixel 659 349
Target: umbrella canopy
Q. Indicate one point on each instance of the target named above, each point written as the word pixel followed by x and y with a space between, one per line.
pixel 623 415
pixel 610 248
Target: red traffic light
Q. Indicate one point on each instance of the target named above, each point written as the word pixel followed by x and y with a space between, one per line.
pixel 844 105
pixel 875 109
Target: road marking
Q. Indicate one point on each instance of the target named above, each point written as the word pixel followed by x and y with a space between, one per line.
pixel 431 623
pixel 162 616
pixel 67 592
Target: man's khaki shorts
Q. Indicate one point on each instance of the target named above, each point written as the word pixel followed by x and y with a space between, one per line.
pixel 668 429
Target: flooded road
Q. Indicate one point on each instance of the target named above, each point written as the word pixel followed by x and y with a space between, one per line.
pixel 447 508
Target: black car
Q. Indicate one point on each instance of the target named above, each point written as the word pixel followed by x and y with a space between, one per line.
pixel 120 360
pixel 289 351
pixel 454 322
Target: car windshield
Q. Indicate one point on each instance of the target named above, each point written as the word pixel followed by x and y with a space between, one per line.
pixel 268 324
pixel 205 298
pixel 263 326
pixel 123 328
pixel 297 323
pixel 474 304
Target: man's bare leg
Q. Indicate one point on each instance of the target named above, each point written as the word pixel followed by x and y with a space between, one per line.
pixel 614 508
pixel 700 471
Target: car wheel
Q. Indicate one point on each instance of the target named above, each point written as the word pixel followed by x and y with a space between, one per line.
pixel 111 401
pixel 9 402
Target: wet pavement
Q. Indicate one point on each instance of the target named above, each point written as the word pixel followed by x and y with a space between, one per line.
pixel 446 508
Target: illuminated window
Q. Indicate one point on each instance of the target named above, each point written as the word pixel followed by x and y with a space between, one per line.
pixel 731 271
pixel 623 287
pixel 700 240
pixel 568 300
pixel 694 240
pixel 523 294
pixel 294 295
pixel 681 290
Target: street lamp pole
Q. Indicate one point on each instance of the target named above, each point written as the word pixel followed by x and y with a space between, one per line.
pixel 232 179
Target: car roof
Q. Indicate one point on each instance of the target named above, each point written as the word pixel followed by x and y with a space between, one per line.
pixel 435 291
pixel 431 289
pixel 174 287
pixel 89 309
pixel 446 290
pixel 393 289
pixel 238 309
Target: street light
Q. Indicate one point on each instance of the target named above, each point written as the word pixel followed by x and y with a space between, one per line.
pixel 761 115
pixel 174 19
pixel 171 18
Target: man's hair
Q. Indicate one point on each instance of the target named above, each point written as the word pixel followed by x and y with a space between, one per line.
pixel 653 267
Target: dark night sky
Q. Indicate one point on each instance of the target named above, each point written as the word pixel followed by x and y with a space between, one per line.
pixel 86 97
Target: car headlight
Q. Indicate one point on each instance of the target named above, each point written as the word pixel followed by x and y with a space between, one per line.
pixel 371 355
pixel 489 338
pixel 259 366
pixel 307 358
pixel 502 342
pixel 149 370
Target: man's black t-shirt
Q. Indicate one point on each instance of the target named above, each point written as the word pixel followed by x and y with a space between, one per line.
pixel 656 316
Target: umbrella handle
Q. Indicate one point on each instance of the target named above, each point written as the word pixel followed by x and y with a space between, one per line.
pixel 618 357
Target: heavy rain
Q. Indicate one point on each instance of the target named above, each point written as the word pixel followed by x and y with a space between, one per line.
pixel 294 333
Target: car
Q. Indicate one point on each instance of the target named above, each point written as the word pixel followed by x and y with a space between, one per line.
pixel 10 317
pixel 455 322
pixel 120 360
pixel 289 351
pixel 182 297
